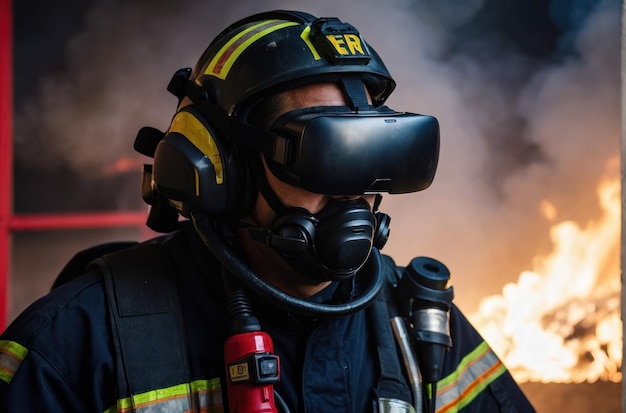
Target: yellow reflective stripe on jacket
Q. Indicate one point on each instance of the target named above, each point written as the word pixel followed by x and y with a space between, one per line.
pixel 11 355
pixel 198 396
pixel 474 373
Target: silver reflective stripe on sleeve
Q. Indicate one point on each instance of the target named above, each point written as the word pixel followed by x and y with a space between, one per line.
pixel 394 406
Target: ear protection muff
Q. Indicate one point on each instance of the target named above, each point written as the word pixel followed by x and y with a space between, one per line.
pixel 197 171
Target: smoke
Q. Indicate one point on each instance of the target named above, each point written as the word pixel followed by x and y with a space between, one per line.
pixel 117 69
pixel 515 129
pixel 507 149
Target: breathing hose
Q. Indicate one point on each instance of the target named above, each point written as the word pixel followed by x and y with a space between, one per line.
pixel 373 272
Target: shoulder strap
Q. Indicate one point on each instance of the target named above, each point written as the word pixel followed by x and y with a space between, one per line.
pixel 391 384
pixel 75 267
pixel 146 319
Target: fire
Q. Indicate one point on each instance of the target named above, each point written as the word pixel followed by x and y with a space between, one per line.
pixel 561 321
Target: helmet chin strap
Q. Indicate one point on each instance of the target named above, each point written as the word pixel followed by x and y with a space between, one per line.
pixel 331 245
pixel 264 187
pixel 372 272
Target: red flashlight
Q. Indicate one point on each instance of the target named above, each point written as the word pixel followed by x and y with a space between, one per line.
pixel 252 368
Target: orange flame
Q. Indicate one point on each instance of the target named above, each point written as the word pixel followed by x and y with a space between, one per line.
pixel 561 321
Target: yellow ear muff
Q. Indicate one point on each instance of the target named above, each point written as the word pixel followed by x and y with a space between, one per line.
pixel 191 128
pixel 197 171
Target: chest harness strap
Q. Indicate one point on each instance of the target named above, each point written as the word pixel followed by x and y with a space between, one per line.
pixel 146 319
pixel 391 392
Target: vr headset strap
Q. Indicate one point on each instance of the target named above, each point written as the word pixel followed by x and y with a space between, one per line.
pixel 270 144
pixel 355 93
pixel 146 320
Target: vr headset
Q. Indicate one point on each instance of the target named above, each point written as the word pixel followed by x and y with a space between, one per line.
pixel 337 151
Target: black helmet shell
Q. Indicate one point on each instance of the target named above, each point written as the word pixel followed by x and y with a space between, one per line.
pixel 270 52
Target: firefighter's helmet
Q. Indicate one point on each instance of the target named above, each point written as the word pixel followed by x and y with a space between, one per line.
pixel 199 165
pixel 270 52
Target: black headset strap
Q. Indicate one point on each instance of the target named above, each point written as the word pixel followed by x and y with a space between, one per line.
pixel 355 93
pixel 272 145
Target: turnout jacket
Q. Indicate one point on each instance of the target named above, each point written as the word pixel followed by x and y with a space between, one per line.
pixel 59 355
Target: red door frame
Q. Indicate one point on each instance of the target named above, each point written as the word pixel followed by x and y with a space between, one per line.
pixel 6 150
pixel 8 221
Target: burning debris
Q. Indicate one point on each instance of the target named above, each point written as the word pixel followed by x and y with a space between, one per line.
pixel 561 322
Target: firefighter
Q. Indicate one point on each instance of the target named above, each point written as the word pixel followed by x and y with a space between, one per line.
pixel 267 290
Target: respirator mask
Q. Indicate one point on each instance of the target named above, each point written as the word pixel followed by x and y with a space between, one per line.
pixel 331 245
pixel 337 151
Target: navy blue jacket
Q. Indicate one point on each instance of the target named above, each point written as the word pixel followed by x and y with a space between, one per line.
pixel 58 355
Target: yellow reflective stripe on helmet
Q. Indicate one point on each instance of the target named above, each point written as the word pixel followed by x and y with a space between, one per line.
pixel 307 40
pixel 188 125
pixel 198 396
pixel 11 356
pixel 224 59
pixel 474 373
